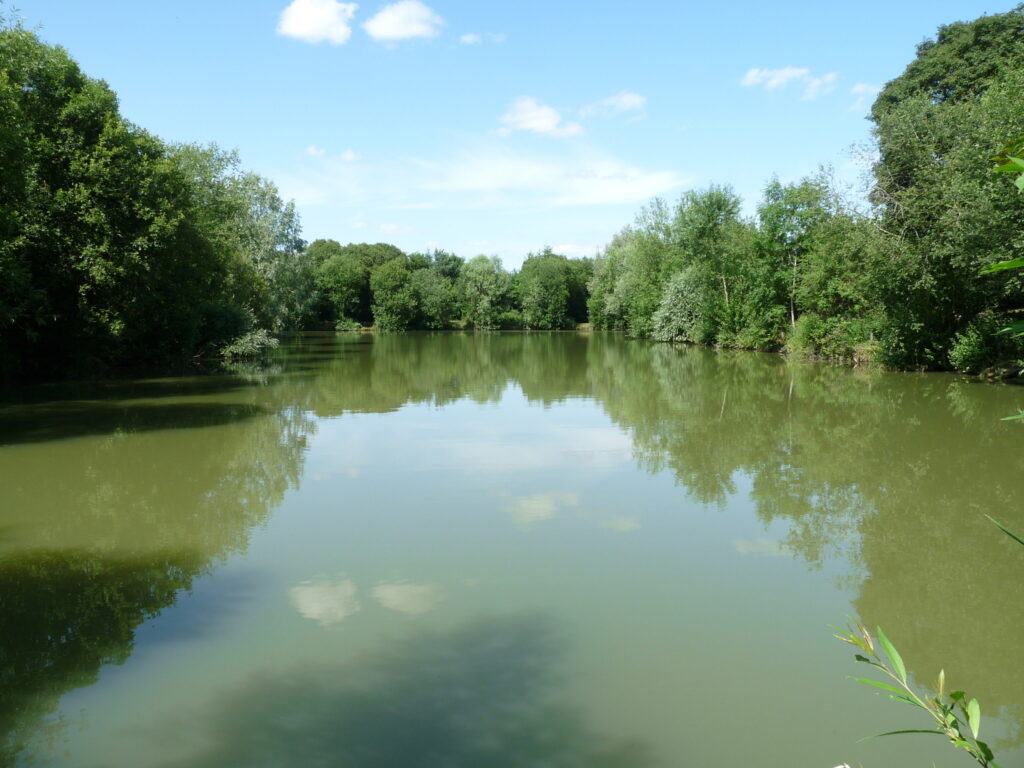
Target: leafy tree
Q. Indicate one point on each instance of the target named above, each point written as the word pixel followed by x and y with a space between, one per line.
pixel 436 298
pixel 484 287
pixel 340 277
pixel 543 288
pixel 789 214
pixel 605 306
pixel 945 213
pixel 394 301
pixel 447 264
pixel 108 261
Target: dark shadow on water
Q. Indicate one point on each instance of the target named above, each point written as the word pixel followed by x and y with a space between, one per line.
pixel 129 388
pixel 63 616
pixel 45 422
pixel 484 696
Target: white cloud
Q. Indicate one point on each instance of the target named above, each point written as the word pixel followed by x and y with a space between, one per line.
pixel 528 114
pixel 527 510
pixel 863 92
pixel 325 601
pixel 349 156
pixel 410 599
pixel 317 21
pixel 496 37
pixel 404 20
pixel 624 101
pixel 314 151
pixel 773 79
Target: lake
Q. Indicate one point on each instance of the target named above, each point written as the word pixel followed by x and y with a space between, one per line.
pixel 507 550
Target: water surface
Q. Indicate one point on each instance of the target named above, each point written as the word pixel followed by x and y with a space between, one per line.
pixel 502 550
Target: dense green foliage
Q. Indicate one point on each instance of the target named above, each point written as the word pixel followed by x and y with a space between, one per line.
pixel 119 249
pixel 899 285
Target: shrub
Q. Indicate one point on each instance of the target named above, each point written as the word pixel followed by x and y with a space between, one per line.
pixel 347 324
pixel 980 345
pixel 835 338
pixel 682 314
pixel 252 344
pixel 512 320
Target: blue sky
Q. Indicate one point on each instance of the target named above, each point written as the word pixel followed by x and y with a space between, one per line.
pixel 493 127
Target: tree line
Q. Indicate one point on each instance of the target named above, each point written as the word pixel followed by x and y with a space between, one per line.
pixel 900 283
pixel 118 249
pixel 362 284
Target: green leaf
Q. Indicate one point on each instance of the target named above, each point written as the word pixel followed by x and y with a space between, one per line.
pixel 896 733
pixel 880 684
pixel 894 656
pixel 1016 329
pixel 908 700
pixel 974 716
pixel 1020 183
pixel 985 751
pixel 1013 418
pixel 1013 165
pixel 866 660
pixel 995 522
pixel 1000 266
pixel 848 637
pixel 956 695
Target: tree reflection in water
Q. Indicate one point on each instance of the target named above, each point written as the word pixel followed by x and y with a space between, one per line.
pixel 893 471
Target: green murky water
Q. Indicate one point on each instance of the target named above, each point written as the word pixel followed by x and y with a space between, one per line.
pixel 502 550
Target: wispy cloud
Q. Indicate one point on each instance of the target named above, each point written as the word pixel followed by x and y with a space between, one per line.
pixel 392 229
pixel 820 85
pixel 863 92
pixel 622 102
pixel 774 79
pixel 473 38
pixel 495 174
pixel 404 20
pixel 528 114
pixel 317 21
